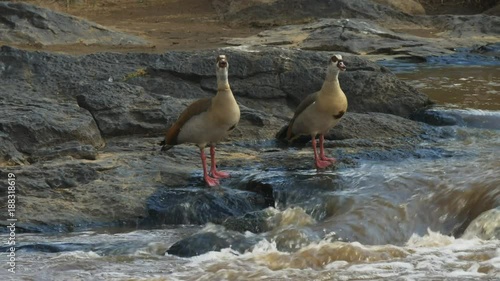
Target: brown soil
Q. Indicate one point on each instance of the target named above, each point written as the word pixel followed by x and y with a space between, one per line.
pixel 167 24
pixel 458 7
pixel 184 24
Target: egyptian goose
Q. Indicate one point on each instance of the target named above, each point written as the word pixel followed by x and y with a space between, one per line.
pixel 319 112
pixel 207 121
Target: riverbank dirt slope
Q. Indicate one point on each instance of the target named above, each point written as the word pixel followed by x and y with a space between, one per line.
pixel 187 24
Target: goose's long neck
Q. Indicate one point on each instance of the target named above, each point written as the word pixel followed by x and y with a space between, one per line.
pixel 222 81
pixel 331 84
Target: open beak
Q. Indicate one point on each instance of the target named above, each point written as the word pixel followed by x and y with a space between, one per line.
pixel 341 66
pixel 222 64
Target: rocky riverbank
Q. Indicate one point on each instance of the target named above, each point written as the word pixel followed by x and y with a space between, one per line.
pixel 81 132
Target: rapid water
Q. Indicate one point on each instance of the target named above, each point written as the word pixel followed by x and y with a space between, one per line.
pixel 382 220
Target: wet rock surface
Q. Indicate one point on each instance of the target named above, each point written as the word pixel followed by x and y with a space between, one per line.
pixel 211 238
pixel 486 226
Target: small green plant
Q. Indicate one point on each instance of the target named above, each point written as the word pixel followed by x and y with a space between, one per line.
pixel 138 73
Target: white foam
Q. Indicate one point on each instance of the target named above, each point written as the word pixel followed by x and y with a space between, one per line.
pixel 76 255
pixel 223 254
pixel 264 246
pixel 383 266
pixel 336 265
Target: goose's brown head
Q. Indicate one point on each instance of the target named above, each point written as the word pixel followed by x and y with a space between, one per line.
pixel 339 62
pixel 221 61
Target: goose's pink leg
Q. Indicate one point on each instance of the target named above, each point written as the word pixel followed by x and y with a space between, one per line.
pixel 208 179
pixel 322 150
pixel 213 169
pixel 320 164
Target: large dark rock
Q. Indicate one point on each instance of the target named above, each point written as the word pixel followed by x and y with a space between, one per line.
pixel 199 206
pixel 22 23
pixel 36 126
pixel 120 108
pixel 436 117
pixel 486 226
pixel 212 238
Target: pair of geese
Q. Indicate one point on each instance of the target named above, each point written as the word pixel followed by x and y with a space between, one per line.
pixel 209 120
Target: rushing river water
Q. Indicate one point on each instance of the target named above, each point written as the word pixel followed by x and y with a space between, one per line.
pixel 406 220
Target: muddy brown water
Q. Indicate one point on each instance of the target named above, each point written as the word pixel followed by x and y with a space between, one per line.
pixel 476 87
pixel 406 218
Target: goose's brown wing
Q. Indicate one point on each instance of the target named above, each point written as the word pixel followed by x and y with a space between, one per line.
pixel 310 99
pixel 192 110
